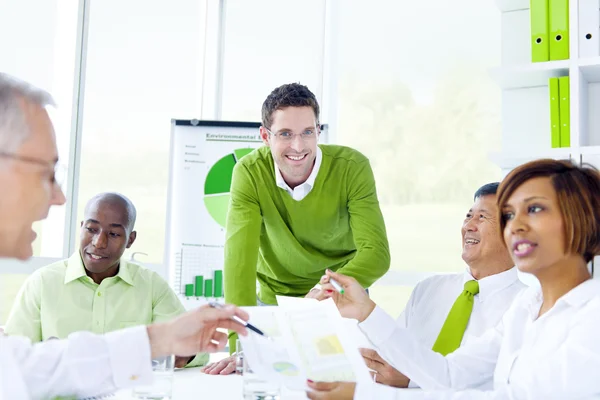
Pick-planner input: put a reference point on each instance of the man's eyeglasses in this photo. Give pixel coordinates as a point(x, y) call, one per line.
point(287, 136)
point(59, 171)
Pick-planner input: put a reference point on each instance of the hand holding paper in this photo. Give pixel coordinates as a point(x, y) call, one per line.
point(310, 340)
point(383, 372)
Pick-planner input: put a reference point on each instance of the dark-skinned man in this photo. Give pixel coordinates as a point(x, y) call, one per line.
point(96, 289)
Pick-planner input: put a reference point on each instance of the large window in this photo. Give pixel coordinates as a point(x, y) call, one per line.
point(414, 95)
point(269, 43)
point(40, 47)
point(409, 86)
point(144, 67)
point(41, 50)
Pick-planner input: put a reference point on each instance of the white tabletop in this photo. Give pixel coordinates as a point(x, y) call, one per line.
point(192, 384)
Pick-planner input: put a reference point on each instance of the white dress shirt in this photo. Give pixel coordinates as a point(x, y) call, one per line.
point(83, 365)
point(302, 190)
point(555, 356)
point(432, 299)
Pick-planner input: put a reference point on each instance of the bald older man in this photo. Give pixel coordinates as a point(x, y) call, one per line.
point(96, 289)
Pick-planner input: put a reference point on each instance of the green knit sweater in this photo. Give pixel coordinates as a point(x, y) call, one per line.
point(288, 244)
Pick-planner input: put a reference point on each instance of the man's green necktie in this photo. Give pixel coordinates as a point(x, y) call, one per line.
point(456, 322)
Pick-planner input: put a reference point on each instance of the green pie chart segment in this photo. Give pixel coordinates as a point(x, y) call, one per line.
point(218, 179)
point(239, 153)
point(216, 205)
point(218, 185)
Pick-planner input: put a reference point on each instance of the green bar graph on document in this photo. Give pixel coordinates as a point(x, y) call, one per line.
point(199, 281)
point(218, 283)
point(208, 288)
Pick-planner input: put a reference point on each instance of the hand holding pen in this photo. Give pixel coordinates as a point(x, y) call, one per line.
point(239, 320)
point(350, 297)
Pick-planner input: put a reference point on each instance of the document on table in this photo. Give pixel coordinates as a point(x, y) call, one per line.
point(306, 340)
point(350, 325)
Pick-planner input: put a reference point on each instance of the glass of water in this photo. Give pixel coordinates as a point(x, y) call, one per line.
point(239, 358)
point(162, 386)
point(255, 388)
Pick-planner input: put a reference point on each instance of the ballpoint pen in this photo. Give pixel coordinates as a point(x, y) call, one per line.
point(238, 319)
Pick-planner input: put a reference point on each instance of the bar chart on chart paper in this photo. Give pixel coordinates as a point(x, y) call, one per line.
point(217, 184)
point(202, 158)
point(198, 273)
point(202, 161)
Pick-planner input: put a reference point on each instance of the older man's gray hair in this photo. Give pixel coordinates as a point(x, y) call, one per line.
point(13, 125)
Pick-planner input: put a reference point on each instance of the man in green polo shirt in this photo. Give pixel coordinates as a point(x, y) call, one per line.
point(298, 208)
point(96, 290)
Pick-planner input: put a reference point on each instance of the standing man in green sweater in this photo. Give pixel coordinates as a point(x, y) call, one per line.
point(298, 208)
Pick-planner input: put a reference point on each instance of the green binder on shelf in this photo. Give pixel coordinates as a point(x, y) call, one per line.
point(540, 49)
point(558, 28)
point(565, 111)
point(554, 112)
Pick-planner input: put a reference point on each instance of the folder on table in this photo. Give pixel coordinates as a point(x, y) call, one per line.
point(540, 49)
point(554, 112)
point(589, 28)
point(558, 29)
point(565, 111)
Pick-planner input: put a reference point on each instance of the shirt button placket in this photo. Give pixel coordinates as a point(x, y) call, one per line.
point(98, 311)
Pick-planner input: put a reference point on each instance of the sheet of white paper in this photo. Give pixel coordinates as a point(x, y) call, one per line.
point(270, 357)
point(288, 302)
point(350, 325)
point(265, 319)
point(308, 340)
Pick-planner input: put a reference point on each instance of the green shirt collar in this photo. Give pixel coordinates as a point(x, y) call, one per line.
point(76, 270)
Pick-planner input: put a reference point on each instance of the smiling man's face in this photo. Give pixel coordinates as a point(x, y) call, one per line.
point(27, 180)
point(105, 234)
point(295, 158)
point(481, 240)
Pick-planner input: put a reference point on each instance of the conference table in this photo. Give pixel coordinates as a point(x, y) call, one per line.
point(191, 384)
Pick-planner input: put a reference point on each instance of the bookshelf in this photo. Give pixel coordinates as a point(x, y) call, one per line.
point(525, 96)
point(529, 75)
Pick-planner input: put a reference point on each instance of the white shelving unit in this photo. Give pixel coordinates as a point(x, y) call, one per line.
point(529, 75)
point(525, 96)
point(512, 5)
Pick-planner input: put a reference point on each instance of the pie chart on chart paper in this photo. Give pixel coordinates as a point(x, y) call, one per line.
point(218, 184)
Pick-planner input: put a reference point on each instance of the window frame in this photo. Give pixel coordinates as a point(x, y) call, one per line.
point(212, 104)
